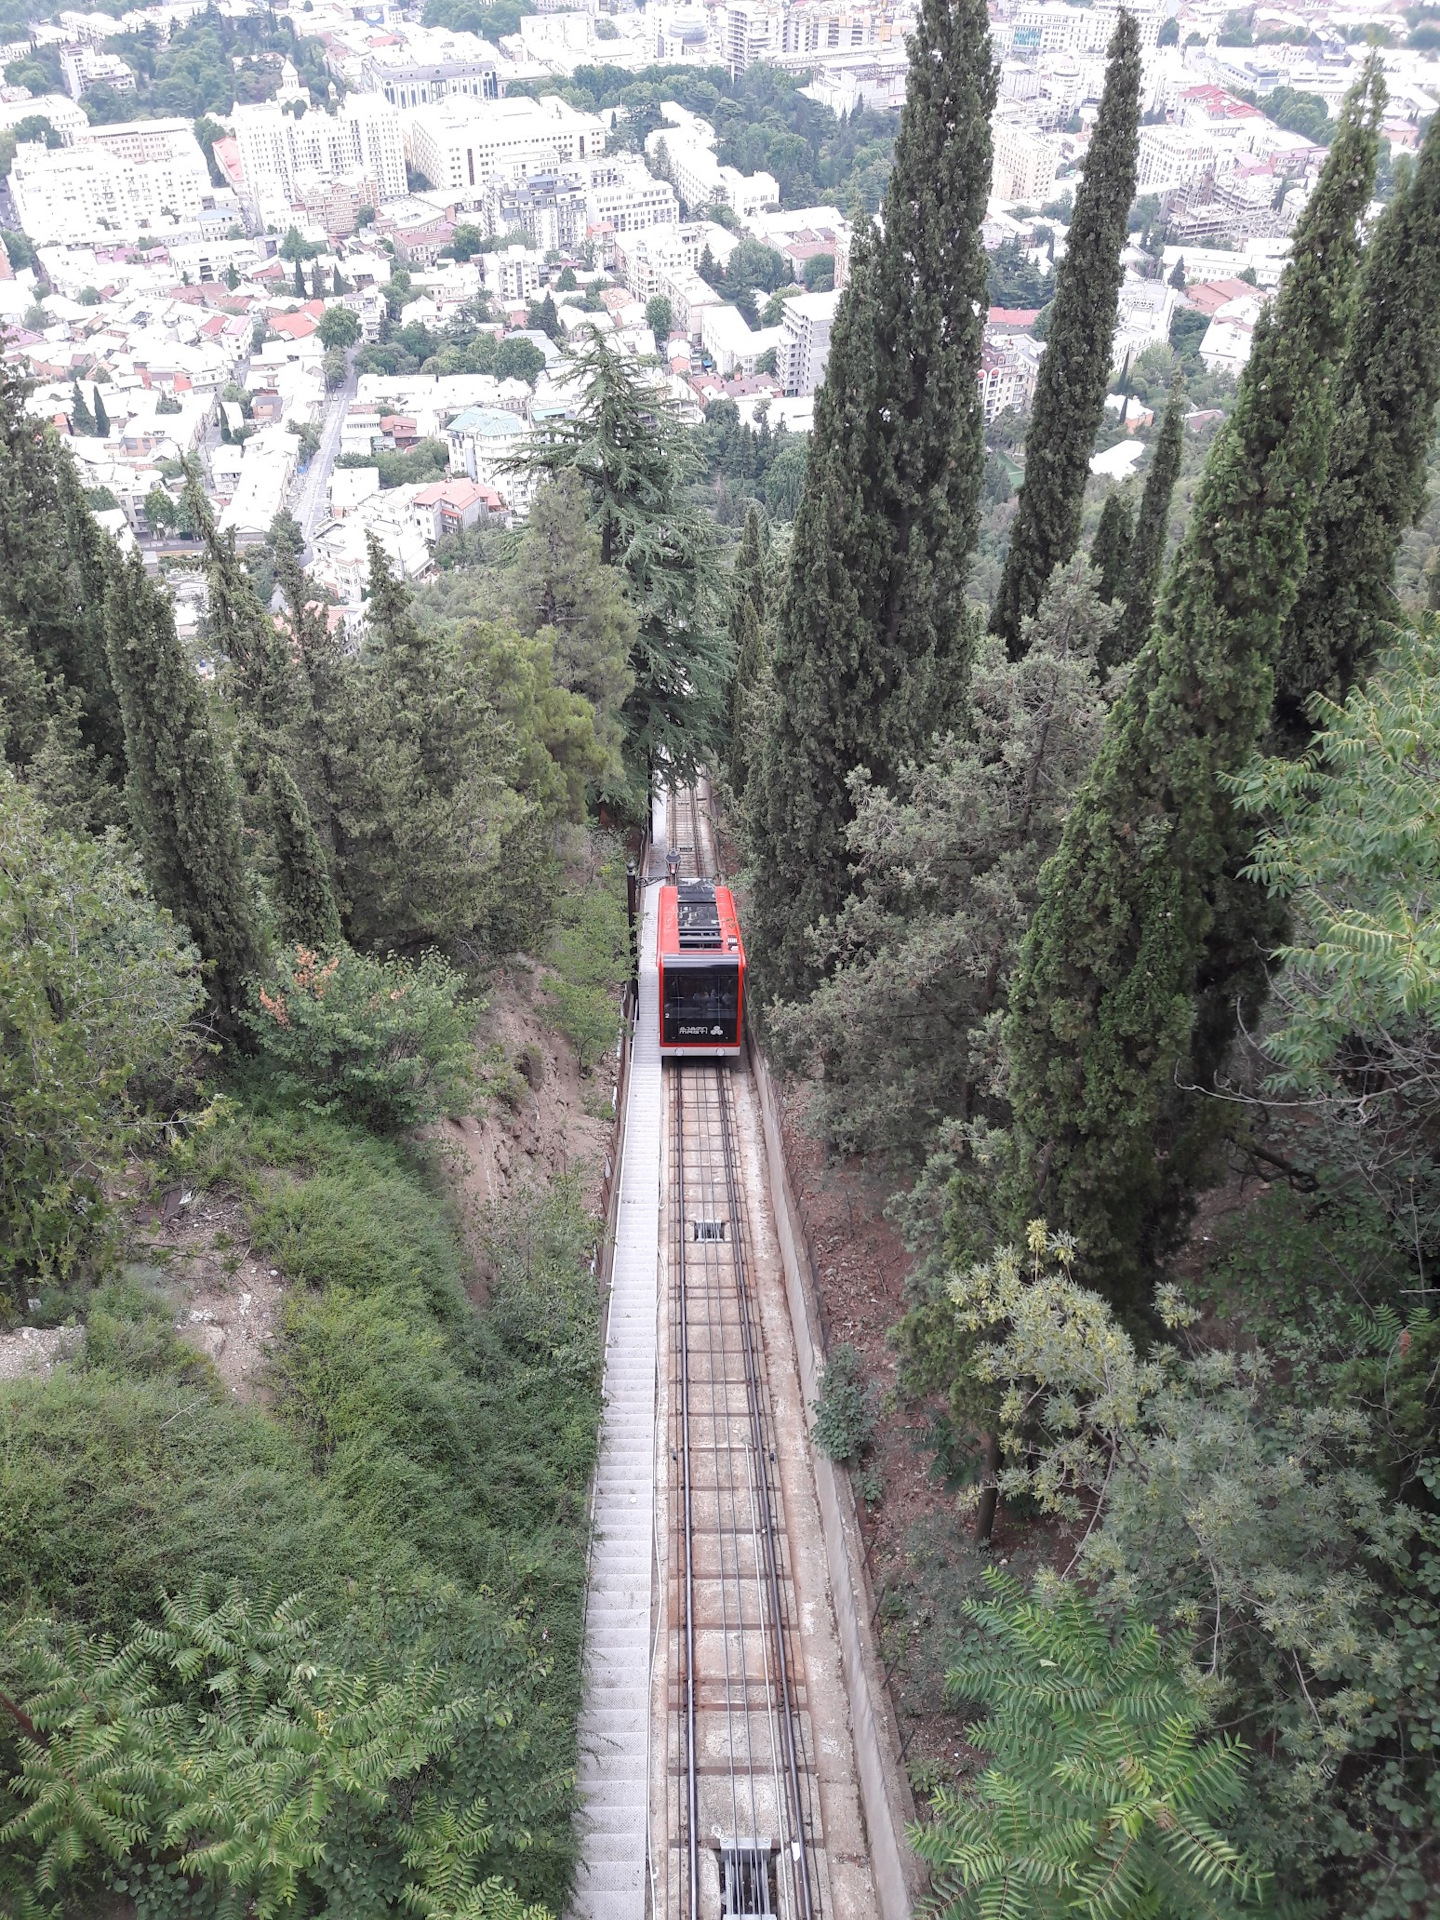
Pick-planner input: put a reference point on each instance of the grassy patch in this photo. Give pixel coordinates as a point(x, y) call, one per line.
point(421, 1475)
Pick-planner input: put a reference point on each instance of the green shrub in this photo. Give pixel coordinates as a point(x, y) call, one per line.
point(421, 1474)
point(385, 1042)
point(848, 1409)
point(129, 1330)
point(590, 953)
point(98, 990)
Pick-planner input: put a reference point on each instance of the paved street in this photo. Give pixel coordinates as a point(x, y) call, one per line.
point(314, 488)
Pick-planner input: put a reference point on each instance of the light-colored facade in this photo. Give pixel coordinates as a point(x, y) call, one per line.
point(804, 348)
point(462, 145)
point(686, 154)
point(89, 193)
point(278, 151)
point(1024, 167)
point(431, 64)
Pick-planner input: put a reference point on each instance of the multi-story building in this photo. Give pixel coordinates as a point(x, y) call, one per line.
point(431, 64)
point(1050, 26)
point(627, 197)
point(550, 208)
point(1169, 156)
point(462, 145)
point(686, 153)
point(1008, 370)
point(514, 275)
point(86, 67)
point(277, 151)
point(1025, 165)
point(62, 112)
point(106, 187)
point(804, 348)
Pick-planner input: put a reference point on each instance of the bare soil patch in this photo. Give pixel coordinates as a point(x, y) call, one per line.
point(226, 1297)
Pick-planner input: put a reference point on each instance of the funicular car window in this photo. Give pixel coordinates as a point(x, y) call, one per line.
point(702, 1004)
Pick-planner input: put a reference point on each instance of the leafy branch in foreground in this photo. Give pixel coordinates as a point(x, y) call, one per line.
point(1099, 1800)
point(223, 1741)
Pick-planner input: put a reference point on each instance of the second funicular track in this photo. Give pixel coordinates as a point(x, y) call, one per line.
point(744, 1813)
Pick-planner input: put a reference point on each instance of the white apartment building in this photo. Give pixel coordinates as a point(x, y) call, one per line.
point(1024, 166)
point(62, 112)
point(1145, 310)
point(462, 145)
point(432, 64)
point(90, 193)
point(687, 154)
point(513, 276)
point(627, 196)
point(86, 67)
point(1172, 156)
point(277, 151)
point(1008, 371)
point(1050, 26)
point(804, 347)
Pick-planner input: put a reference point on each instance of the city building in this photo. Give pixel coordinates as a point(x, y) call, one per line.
point(86, 67)
point(1024, 166)
point(804, 346)
point(483, 441)
point(685, 152)
point(1009, 368)
point(429, 64)
point(360, 142)
point(115, 183)
point(462, 145)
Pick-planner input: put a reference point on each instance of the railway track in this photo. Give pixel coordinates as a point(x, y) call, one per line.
point(744, 1812)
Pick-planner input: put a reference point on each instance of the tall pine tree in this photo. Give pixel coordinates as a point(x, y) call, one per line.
point(1152, 528)
point(305, 909)
point(261, 663)
point(1074, 374)
point(633, 456)
point(747, 615)
point(1140, 894)
point(872, 638)
point(54, 565)
point(183, 804)
point(1375, 488)
point(82, 420)
point(1110, 549)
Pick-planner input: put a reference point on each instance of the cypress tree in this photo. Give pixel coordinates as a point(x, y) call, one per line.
point(1152, 527)
point(305, 910)
point(1137, 899)
point(747, 612)
point(1075, 371)
point(322, 723)
point(183, 804)
point(102, 419)
point(299, 281)
point(1110, 549)
point(81, 418)
point(633, 456)
point(872, 638)
point(262, 669)
point(54, 565)
point(1375, 488)
point(317, 282)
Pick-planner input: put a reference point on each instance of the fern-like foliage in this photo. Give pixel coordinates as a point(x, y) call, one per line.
point(223, 1743)
point(1101, 1800)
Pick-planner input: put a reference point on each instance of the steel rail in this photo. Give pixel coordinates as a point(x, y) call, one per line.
point(692, 1780)
point(769, 1511)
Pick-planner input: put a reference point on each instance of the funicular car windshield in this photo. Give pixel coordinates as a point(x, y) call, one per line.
point(702, 1002)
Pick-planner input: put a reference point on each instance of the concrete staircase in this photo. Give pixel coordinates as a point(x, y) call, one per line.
point(615, 1715)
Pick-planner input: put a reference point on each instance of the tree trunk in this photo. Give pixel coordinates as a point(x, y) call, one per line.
point(989, 1493)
